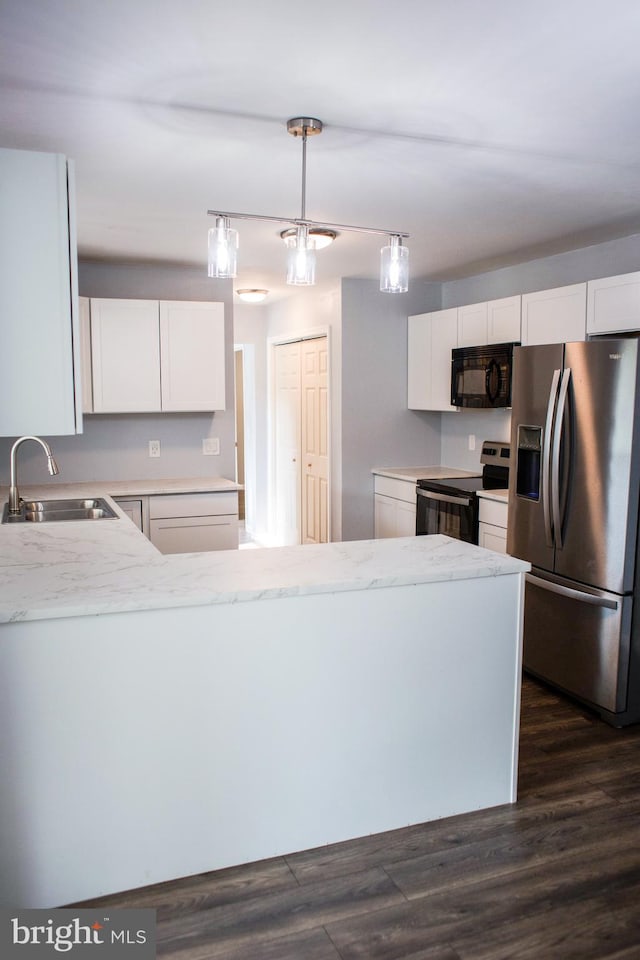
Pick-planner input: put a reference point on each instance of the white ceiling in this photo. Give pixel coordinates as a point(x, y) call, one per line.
point(490, 131)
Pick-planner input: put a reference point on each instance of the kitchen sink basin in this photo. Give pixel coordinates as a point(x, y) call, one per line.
point(46, 511)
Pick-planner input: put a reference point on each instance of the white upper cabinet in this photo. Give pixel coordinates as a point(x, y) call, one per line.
point(613, 304)
point(497, 321)
point(503, 320)
point(472, 325)
point(555, 316)
point(192, 355)
point(40, 353)
point(125, 349)
point(431, 338)
point(157, 356)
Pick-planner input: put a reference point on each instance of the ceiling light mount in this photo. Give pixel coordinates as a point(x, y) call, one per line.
point(303, 236)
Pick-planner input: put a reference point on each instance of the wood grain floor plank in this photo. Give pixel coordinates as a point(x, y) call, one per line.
point(283, 912)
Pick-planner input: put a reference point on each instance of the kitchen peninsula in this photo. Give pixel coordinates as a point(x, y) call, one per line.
point(167, 715)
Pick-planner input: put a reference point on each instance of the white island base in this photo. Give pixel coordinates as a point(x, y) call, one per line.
point(141, 746)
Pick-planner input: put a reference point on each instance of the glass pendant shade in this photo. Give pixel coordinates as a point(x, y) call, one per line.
point(301, 259)
point(223, 250)
point(394, 267)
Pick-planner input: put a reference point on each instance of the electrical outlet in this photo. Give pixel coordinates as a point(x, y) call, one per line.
point(154, 448)
point(211, 446)
point(472, 441)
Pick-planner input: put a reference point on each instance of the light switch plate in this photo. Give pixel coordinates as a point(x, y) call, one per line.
point(211, 446)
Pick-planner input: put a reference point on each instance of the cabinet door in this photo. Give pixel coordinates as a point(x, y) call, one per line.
point(503, 320)
point(132, 508)
point(125, 352)
point(192, 356)
point(613, 304)
point(405, 519)
point(472, 325)
point(555, 316)
point(430, 340)
point(85, 354)
point(384, 517)
point(38, 296)
point(418, 362)
point(492, 538)
point(444, 338)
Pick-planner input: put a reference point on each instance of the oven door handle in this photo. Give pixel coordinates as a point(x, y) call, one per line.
point(445, 498)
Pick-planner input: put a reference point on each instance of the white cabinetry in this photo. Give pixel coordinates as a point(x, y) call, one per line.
point(191, 523)
point(496, 321)
point(431, 338)
point(39, 393)
point(394, 508)
point(133, 507)
point(504, 319)
point(554, 316)
point(492, 525)
point(613, 304)
point(152, 356)
point(125, 351)
point(472, 325)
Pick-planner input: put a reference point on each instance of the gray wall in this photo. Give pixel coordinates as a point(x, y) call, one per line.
point(116, 447)
point(601, 260)
point(377, 428)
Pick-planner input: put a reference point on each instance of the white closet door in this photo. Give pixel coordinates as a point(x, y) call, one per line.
point(286, 443)
point(314, 437)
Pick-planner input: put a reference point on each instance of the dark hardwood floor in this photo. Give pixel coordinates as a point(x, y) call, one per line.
point(556, 875)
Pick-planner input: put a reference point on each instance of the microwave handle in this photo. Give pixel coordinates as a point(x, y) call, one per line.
point(491, 366)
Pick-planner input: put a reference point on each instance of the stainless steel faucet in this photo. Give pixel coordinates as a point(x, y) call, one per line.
point(14, 495)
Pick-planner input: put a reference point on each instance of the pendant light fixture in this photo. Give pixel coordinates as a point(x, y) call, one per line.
point(303, 237)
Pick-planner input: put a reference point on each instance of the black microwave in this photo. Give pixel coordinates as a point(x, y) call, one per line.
point(481, 376)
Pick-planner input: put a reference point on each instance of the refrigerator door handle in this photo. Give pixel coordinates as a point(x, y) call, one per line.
point(546, 458)
point(555, 457)
point(589, 598)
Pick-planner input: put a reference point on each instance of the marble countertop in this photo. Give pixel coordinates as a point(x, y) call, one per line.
point(57, 487)
point(84, 568)
point(414, 474)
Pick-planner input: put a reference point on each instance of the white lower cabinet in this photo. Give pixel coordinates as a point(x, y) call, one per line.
point(492, 525)
point(394, 508)
point(194, 523)
point(186, 522)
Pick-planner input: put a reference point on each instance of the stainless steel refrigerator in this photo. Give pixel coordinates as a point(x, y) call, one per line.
point(573, 514)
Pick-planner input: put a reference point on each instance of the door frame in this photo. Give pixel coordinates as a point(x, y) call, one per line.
point(312, 333)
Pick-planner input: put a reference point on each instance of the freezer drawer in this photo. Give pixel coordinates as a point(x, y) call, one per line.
point(578, 639)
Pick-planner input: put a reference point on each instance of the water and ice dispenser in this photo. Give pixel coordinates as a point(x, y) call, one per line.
point(528, 462)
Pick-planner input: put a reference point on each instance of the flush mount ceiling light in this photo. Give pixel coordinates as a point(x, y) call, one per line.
point(303, 237)
point(252, 294)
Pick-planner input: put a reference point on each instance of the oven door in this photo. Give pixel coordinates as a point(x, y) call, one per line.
point(453, 515)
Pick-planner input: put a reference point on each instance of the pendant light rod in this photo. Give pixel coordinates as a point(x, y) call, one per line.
point(309, 223)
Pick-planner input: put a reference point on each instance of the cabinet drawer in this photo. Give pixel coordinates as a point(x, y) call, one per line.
point(398, 489)
point(193, 505)
point(194, 534)
point(493, 512)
